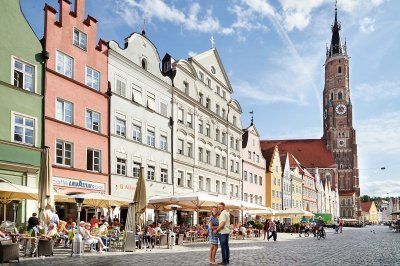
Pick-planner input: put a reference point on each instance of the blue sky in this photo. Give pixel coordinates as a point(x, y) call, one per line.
point(273, 52)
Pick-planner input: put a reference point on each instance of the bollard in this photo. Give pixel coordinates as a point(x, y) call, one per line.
point(77, 244)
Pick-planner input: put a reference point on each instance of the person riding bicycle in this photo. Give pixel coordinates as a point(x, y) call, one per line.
point(320, 225)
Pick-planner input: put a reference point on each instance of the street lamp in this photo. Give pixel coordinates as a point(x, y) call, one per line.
point(79, 202)
point(77, 245)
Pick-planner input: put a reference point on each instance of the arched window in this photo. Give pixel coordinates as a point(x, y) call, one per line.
point(332, 96)
point(144, 64)
point(340, 95)
point(340, 70)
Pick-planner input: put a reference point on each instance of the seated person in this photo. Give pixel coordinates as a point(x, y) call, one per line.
point(159, 231)
point(103, 229)
point(52, 233)
point(89, 239)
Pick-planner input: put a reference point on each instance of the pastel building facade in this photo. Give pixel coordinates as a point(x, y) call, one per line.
point(207, 130)
point(253, 167)
point(273, 178)
point(140, 111)
point(21, 112)
point(76, 101)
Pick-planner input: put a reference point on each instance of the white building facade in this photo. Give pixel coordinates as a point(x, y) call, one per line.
point(207, 130)
point(139, 119)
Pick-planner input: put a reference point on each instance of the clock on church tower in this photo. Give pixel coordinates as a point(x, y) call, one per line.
point(339, 133)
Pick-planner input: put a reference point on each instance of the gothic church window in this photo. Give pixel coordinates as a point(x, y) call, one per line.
point(340, 70)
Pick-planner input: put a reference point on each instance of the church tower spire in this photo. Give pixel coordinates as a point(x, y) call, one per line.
point(336, 47)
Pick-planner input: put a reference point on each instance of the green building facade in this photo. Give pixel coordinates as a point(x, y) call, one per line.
point(21, 101)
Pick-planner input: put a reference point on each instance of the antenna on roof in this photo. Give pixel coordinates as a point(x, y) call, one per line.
point(252, 117)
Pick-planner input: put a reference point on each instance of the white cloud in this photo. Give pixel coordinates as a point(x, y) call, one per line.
point(379, 187)
point(384, 90)
point(367, 25)
point(191, 53)
point(359, 5)
point(134, 11)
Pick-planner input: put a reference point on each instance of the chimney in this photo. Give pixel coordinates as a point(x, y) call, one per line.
point(80, 8)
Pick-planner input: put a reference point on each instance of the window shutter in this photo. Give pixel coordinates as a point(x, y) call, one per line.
point(137, 96)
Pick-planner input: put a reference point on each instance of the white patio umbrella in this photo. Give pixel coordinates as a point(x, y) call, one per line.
point(263, 212)
point(98, 200)
point(294, 213)
point(46, 193)
point(10, 192)
point(247, 206)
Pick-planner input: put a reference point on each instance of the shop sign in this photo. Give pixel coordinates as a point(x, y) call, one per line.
point(66, 182)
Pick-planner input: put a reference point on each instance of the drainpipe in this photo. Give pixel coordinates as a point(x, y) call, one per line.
point(109, 94)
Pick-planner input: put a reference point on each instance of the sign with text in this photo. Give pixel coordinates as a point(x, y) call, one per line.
point(83, 184)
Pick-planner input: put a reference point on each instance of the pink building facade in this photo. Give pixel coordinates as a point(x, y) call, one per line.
point(253, 167)
point(76, 100)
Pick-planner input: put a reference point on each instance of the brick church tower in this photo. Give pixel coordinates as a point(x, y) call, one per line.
point(339, 133)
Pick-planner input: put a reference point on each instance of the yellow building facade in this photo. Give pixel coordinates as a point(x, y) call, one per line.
point(273, 178)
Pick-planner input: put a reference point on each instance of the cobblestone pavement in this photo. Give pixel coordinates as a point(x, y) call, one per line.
point(356, 246)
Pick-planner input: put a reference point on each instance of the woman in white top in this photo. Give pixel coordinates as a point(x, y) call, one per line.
point(89, 239)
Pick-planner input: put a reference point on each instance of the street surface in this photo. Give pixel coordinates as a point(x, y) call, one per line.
point(356, 246)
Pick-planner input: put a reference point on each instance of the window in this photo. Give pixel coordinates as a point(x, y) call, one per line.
point(249, 155)
point(234, 120)
point(223, 138)
point(232, 166)
point(64, 153)
point(200, 154)
point(223, 164)
point(150, 137)
point(200, 128)
point(231, 142)
point(260, 180)
point(120, 87)
point(237, 191)
point(201, 183)
point(254, 156)
point(255, 179)
point(163, 109)
point(92, 78)
point(151, 101)
point(218, 90)
point(24, 129)
point(237, 167)
point(189, 119)
point(189, 180)
point(180, 115)
point(164, 175)
point(180, 146)
point(223, 113)
point(24, 75)
point(258, 158)
point(217, 161)
point(144, 64)
point(80, 39)
point(201, 76)
point(255, 199)
point(92, 120)
point(208, 130)
point(120, 127)
point(245, 197)
point(208, 184)
point(237, 144)
point(209, 82)
point(186, 87)
point(121, 166)
point(163, 143)
point(151, 172)
point(201, 96)
point(251, 198)
point(64, 111)
point(208, 103)
point(208, 157)
point(340, 70)
point(251, 177)
point(137, 95)
point(217, 109)
point(224, 94)
point(93, 159)
point(217, 134)
point(224, 188)
point(190, 149)
point(217, 187)
point(213, 70)
point(245, 175)
point(136, 169)
point(180, 179)
point(65, 64)
point(136, 132)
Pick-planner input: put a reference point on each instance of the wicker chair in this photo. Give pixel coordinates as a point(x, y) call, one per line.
point(45, 247)
point(9, 251)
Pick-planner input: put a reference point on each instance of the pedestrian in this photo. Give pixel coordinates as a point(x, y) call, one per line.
point(33, 223)
point(272, 229)
point(212, 225)
point(266, 228)
point(224, 230)
point(54, 218)
point(341, 223)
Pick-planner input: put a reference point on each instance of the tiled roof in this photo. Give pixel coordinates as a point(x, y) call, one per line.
point(268, 154)
point(310, 153)
point(245, 138)
point(366, 206)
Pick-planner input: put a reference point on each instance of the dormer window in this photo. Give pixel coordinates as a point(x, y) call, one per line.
point(144, 64)
point(80, 39)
